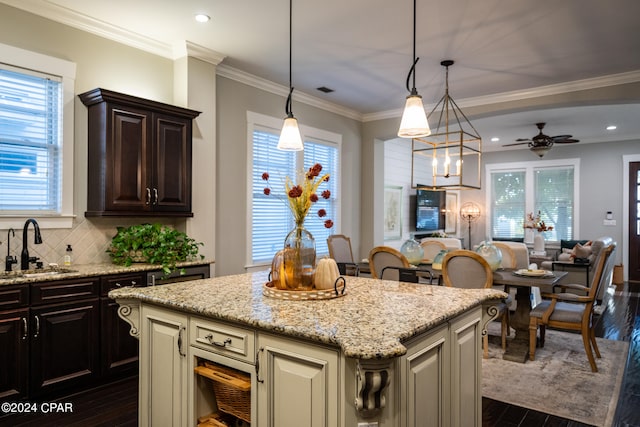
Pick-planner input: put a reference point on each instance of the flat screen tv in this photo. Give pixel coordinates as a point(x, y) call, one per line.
point(429, 210)
point(427, 218)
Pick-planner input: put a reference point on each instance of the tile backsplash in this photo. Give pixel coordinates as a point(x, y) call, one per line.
point(89, 239)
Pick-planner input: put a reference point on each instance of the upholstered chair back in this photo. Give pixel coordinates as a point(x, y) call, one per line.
point(466, 269)
point(381, 257)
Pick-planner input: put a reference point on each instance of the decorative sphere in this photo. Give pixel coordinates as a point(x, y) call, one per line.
point(412, 251)
point(491, 254)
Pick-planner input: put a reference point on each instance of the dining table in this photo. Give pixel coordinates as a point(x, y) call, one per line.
point(523, 280)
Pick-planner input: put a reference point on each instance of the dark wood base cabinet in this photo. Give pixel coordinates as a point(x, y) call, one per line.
point(64, 346)
point(62, 336)
point(14, 353)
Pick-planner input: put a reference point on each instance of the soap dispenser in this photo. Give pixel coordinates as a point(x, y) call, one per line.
point(67, 257)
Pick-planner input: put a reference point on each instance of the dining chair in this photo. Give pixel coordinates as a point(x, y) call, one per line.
point(431, 248)
point(569, 311)
point(467, 269)
point(340, 250)
point(390, 264)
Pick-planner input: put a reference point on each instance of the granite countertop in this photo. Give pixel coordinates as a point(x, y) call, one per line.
point(371, 321)
point(86, 270)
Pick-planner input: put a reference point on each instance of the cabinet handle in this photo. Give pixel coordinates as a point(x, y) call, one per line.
point(209, 338)
point(37, 327)
point(155, 196)
point(118, 285)
point(148, 196)
point(260, 350)
point(182, 328)
point(26, 328)
point(133, 283)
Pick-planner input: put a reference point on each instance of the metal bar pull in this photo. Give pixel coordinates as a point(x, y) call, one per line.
point(182, 328)
point(148, 196)
point(260, 350)
point(37, 327)
point(155, 196)
point(25, 325)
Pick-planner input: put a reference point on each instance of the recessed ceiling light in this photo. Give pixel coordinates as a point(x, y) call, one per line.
point(495, 139)
point(612, 127)
point(201, 17)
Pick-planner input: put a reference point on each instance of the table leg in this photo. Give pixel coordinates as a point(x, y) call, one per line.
point(518, 347)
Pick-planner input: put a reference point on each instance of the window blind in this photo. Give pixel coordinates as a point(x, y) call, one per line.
point(551, 192)
point(271, 217)
point(30, 142)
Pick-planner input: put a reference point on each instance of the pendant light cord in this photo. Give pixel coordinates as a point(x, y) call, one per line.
point(287, 108)
point(412, 71)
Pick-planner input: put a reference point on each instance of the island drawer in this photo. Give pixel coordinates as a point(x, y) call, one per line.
point(222, 338)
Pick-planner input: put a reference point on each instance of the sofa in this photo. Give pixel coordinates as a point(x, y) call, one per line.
point(577, 271)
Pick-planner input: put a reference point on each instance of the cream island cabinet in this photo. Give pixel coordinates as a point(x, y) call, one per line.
point(384, 354)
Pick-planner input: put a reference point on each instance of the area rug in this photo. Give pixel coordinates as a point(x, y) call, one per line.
point(559, 382)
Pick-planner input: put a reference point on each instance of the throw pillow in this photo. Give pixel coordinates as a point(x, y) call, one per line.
point(582, 251)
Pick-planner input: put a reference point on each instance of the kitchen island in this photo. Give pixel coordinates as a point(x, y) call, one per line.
point(385, 353)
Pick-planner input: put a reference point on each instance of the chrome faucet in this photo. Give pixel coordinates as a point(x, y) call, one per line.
point(10, 260)
point(24, 257)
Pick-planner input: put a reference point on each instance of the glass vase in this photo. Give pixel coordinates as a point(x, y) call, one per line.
point(491, 254)
point(299, 259)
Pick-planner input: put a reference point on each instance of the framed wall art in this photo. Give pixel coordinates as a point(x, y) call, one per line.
point(392, 212)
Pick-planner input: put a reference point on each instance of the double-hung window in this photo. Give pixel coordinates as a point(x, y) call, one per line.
point(30, 142)
point(36, 137)
point(271, 218)
point(547, 187)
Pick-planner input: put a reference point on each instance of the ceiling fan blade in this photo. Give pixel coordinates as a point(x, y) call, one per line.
point(523, 139)
point(566, 141)
point(561, 137)
point(516, 143)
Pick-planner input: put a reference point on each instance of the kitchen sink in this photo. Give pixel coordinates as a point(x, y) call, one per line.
point(38, 272)
point(49, 271)
point(5, 275)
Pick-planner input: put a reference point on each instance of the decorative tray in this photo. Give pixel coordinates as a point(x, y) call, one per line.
point(340, 288)
point(532, 273)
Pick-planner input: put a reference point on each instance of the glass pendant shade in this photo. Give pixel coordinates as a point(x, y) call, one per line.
point(290, 138)
point(414, 122)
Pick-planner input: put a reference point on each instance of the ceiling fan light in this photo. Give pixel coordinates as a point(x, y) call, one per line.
point(290, 139)
point(541, 150)
point(414, 122)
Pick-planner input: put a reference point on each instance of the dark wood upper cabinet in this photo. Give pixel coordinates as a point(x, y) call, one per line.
point(139, 156)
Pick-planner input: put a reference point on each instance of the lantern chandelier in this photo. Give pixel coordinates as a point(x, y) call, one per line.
point(449, 158)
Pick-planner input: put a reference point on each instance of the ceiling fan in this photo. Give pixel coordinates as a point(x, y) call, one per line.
point(542, 143)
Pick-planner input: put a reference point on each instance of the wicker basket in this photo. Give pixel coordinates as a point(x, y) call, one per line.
point(232, 389)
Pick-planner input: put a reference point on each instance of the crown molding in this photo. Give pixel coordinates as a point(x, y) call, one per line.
point(200, 52)
point(240, 76)
point(518, 95)
point(85, 23)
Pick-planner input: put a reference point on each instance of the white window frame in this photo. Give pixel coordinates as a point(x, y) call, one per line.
point(529, 168)
point(66, 70)
point(309, 134)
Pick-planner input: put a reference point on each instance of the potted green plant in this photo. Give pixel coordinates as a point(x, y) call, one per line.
point(152, 244)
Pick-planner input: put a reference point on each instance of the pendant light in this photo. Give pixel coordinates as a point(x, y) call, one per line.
point(414, 122)
point(290, 139)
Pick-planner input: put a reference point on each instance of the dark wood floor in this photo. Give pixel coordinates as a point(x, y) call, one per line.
point(117, 403)
point(620, 321)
